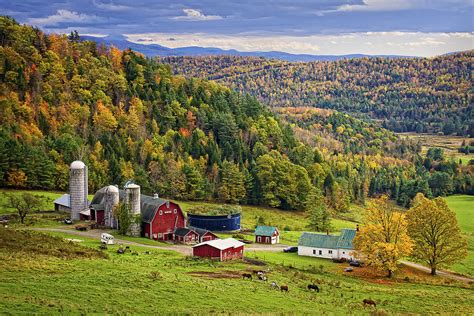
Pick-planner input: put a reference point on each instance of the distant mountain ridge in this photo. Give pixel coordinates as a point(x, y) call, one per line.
point(152, 50)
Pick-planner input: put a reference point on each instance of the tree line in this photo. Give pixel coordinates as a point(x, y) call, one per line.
point(423, 95)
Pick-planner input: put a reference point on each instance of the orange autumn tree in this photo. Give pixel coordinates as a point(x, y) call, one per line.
point(383, 239)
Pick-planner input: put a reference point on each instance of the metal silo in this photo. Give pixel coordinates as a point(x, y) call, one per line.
point(111, 200)
point(132, 198)
point(77, 188)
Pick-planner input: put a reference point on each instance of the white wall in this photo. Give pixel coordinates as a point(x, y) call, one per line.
point(345, 253)
point(314, 252)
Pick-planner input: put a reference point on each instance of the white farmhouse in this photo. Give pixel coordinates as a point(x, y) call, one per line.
point(327, 246)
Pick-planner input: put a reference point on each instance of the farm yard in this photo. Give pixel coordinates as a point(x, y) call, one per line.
point(167, 282)
point(164, 278)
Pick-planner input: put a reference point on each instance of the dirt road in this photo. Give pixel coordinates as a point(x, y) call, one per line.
point(439, 272)
point(184, 249)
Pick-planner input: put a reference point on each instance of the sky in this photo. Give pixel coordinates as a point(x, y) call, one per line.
point(318, 27)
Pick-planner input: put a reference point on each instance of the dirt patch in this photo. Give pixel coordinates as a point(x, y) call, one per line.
point(255, 262)
point(217, 275)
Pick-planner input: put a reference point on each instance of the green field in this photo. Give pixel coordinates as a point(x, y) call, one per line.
point(463, 205)
point(166, 282)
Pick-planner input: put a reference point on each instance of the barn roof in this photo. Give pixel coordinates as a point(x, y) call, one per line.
point(222, 244)
point(265, 230)
point(201, 231)
point(148, 207)
point(343, 241)
point(63, 200)
point(182, 231)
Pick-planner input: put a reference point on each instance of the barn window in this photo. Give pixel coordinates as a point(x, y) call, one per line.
point(167, 204)
point(320, 252)
point(175, 211)
point(343, 252)
point(161, 212)
point(314, 252)
point(330, 252)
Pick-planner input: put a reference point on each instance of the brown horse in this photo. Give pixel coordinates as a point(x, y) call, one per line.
point(284, 288)
point(368, 302)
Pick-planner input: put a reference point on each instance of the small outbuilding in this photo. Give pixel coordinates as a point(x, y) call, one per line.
point(186, 235)
point(204, 234)
point(220, 249)
point(63, 203)
point(267, 235)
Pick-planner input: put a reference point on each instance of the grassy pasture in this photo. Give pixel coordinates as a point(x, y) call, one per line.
point(450, 144)
point(166, 282)
point(463, 205)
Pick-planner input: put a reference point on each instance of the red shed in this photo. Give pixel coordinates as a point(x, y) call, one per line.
point(221, 249)
point(160, 218)
point(267, 235)
point(186, 235)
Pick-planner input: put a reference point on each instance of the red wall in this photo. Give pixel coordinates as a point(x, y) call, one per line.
point(165, 223)
point(233, 253)
point(206, 251)
point(211, 252)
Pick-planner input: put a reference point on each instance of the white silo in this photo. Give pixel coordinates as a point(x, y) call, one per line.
point(111, 200)
point(78, 188)
point(132, 198)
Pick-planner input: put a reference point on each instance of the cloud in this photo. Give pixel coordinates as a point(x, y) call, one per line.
point(63, 16)
point(371, 43)
point(196, 15)
point(110, 6)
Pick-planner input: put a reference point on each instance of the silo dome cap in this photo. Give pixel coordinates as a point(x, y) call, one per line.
point(112, 189)
point(77, 165)
point(132, 186)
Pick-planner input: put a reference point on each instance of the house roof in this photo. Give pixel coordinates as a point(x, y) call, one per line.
point(182, 231)
point(318, 240)
point(222, 244)
point(343, 241)
point(265, 230)
point(63, 200)
point(346, 238)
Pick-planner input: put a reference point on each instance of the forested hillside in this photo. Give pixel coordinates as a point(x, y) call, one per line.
point(404, 94)
point(128, 117)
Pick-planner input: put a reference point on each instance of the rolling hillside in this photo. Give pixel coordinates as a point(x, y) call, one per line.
point(406, 94)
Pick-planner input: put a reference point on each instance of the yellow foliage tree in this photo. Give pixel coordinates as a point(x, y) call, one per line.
point(383, 239)
point(435, 232)
point(104, 118)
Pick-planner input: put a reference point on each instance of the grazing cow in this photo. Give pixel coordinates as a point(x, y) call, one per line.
point(246, 276)
point(103, 247)
point(148, 252)
point(258, 272)
point(284, 288)
point(368, 302)
point(274, 285)
point(262, 278)
point(134, 253)
point(313, 287)
point(120, 251)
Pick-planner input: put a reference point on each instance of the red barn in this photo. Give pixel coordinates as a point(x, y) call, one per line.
point(220, 249)
point(186, 235)
point(160, 218)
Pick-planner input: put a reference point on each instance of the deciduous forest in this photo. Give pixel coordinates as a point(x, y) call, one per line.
point(128, 117)
point(424, 95)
